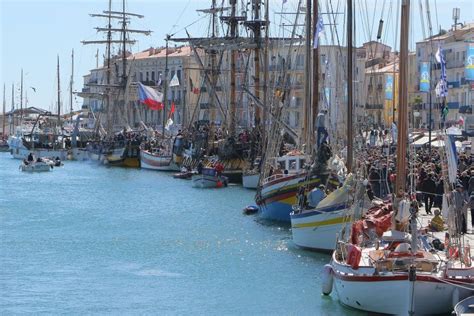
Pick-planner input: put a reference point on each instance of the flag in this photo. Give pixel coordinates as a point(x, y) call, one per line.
point(149, 96)
point(175, 81)
point(168, 124)
point(160, 82)
point(469, 70)
point(424, 77)
point(442, 86)
point(318, 30)
point(388, 87)
point(172, 109)
point(196, 90)
point(452, 158)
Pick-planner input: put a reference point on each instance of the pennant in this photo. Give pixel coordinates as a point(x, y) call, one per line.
point(149, 96)
point(175, 81)
point(171, 110)
point(442, 86)
point(168, 124)
point(160, 81)
point(318, 30)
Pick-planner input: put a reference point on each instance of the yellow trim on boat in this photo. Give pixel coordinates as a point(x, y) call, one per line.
point(333, 221)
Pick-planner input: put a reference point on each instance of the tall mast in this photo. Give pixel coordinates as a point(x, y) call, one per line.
point(12, 130)
point(213, 56)
point(265, 72)
point(21, 98)
point(315, 100)
point(124, 18)
point(403, 100)
point(349, 87)
point(107, 89)
point(308, 81)
point(256, 57)
point(4, 108)
point(59, 94)
point(233, 34)
point(71, 82)
point(165, 90)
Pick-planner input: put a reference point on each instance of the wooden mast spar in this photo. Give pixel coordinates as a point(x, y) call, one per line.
point(403, 100)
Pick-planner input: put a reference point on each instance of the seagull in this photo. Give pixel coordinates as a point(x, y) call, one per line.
point(34, 89)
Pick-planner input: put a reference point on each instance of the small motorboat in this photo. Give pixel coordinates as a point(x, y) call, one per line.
point(209, 178)
point(465, 307)
point(36, 166)
point(250, 210)
point(187, 175)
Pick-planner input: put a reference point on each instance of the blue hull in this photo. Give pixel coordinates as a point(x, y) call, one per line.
point(275, 211)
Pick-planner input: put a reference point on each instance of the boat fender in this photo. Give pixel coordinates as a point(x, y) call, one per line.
point(51, 166)
point(250, 209)
point(219, 184)
point(327, 279)
point(455, 297)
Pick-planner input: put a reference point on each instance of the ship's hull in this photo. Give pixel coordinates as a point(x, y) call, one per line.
point(318, 229)
point(157, 162)
point(279, 195)
point(250, 181)
point(393, 292)
point(207, 181)
point(19, 151)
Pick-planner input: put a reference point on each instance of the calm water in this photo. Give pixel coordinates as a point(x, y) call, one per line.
point(90, 239)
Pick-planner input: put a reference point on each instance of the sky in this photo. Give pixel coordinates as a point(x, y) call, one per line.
point(33, 33)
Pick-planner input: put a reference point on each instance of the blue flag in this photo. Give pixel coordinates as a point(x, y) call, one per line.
point(469, 70)
point(442, 86)
point(318, 29)
point(388, 87)
point(424, 77)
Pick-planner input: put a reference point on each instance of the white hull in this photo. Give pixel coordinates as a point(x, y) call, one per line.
point(250, 181)
point(36, 167)
point(79, 154)
point(318, 229)
point(206, 181)
point(19, 151)
point(392, 292)
point(156, 162)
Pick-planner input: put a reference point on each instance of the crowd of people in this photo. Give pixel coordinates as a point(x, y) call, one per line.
point(426, 177)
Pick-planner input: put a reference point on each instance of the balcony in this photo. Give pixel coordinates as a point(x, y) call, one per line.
point(374, 106)
point(454, 64)
point(453, 105)
point(453, 84)
point(465, 109)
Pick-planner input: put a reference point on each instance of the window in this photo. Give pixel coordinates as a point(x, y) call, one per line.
point(153, 75)
point(147, 78)
point(141, 76)
point(178, 74)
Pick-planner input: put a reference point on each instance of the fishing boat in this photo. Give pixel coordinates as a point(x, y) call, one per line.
point(279, 191)
point(317, 228)
point(384, 264)
point(250, 179)
point(36, 166)
point(126, 155)
point(155, 160)
point(465, 307)
point(209, 178)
